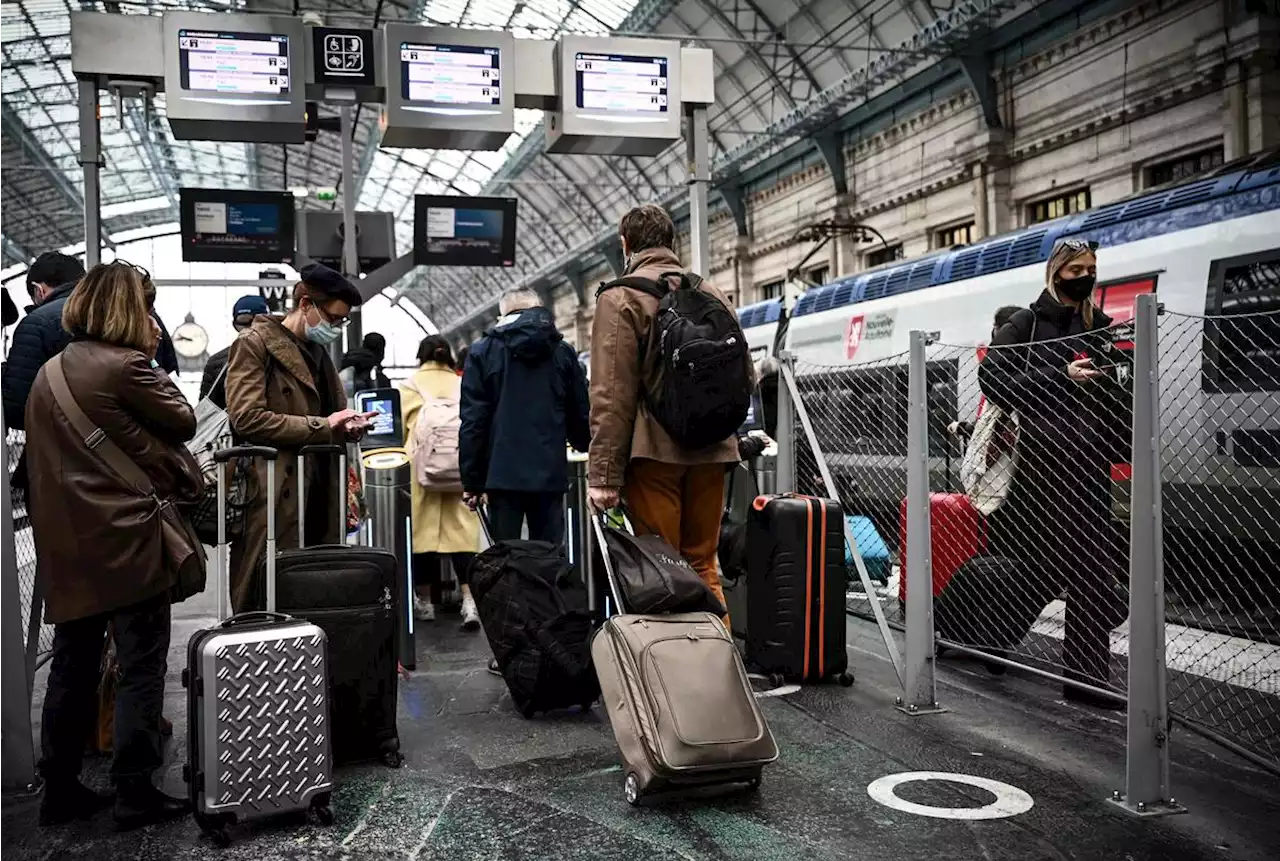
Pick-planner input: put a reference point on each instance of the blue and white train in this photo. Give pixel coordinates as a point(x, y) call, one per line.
point(1207, 247)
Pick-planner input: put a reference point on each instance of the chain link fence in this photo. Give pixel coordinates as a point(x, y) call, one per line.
point(25, 552)
point(1033, 566)
point(859, 418)
point(1220, 486)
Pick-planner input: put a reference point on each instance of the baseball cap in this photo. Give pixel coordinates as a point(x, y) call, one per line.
point(250, 305)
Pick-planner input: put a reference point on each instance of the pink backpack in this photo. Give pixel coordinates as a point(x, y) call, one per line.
point(434, 443)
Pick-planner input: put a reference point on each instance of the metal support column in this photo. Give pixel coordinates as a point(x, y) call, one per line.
point(350, 257)
point(91, 163)
point(18, 752)
point(1147, 790)
point(698, 149)
point(921, 692)
point(891, 647)
point(785, 471)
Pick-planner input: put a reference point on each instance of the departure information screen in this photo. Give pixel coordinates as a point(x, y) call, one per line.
point(621, 84)
point(234, 63)
point(236, 224)
point(450, 74)
point(464, 231)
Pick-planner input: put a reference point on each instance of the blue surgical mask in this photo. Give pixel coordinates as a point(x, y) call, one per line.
point(323, 333)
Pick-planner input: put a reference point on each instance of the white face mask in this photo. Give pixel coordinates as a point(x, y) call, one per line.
point(323, 333)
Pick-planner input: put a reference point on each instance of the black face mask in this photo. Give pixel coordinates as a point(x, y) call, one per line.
point(1077, 289)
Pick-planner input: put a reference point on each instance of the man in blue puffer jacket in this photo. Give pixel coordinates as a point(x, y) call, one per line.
point(524, 396)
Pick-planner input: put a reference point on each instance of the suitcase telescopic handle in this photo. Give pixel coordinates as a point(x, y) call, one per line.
point(265, 452)
point(598, 523)
point(321, 448)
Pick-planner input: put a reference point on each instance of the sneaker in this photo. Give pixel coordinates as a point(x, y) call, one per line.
point(423, 611)
point(140, 804)
point(470, 618)
point(63, 802)
point(493, 667)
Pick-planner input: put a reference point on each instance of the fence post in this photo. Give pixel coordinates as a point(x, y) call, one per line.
point(921, 694)
point(1147, 755)
point(17, 750)
point(785, 471)
point(788, 382)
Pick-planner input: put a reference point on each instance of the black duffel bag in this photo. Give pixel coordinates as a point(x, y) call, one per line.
point(652, 576)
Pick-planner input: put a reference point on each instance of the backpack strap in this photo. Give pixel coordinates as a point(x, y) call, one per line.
point(635, 282)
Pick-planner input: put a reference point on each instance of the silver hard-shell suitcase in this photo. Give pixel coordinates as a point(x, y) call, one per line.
point(257, 701)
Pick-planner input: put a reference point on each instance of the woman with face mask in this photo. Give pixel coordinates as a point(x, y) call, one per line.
point(1053, 365)
point(284, 391)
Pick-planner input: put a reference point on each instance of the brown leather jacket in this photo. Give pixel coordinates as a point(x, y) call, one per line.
point(98, 541)
point(621, 427)
point(272, 400)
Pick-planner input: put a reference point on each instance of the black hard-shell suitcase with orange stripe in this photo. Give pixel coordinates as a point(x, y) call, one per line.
point(795, 589)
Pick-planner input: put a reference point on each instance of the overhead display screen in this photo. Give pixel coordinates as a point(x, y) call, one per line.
point(464, 231)
point(234, 63)
point(224, 226)
point(618, 83)
point(464, 75)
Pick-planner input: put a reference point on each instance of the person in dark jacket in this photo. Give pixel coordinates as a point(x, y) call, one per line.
point(524, 396)
point(39, 336)
point(212, 385)
point(1057, 372)
point(362, 367)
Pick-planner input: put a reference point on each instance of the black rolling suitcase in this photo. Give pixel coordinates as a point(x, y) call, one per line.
point(351, 593)
point(535, 614)
point(795, 589)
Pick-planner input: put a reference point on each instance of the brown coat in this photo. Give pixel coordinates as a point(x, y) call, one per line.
point(98, 541)
point(621, 427)
point(272, 400)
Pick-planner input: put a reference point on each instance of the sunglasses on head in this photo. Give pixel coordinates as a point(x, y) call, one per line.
point(1080, 244)
point(146, 276)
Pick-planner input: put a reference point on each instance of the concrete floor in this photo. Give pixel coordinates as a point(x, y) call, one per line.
point(482, 783)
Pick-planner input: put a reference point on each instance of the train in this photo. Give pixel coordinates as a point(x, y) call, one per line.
point(1209, 248)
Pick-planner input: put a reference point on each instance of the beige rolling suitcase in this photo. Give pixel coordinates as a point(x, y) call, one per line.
point(679, 700)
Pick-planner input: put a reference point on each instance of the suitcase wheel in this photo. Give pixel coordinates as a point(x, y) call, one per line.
point(846, 678)
point(392, 759)
point(753, 785)
point(324, 814)
point(217, 827)
point(777, 680)
point(631, 789)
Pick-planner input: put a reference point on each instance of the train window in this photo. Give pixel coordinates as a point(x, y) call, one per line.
point(1183, 167)
point(1056, 207)
point(884, 255)
point(949, 237)
point(1242, 334)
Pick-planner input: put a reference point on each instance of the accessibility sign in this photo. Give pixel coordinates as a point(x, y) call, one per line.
point(343, 56)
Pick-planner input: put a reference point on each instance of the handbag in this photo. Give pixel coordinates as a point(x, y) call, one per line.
point(103, 729)
point(213, 432)
point(990, 462)
point(652, 576)
point(181, 546)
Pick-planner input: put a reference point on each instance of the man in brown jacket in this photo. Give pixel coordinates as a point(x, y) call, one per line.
point(283, 391)
point(671, 491)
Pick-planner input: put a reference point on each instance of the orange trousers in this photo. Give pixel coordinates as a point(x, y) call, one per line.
point(682, 504)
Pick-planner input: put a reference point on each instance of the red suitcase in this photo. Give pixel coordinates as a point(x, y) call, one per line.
point(956, 536)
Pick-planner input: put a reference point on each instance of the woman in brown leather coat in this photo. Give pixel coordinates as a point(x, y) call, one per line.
point(98, 540)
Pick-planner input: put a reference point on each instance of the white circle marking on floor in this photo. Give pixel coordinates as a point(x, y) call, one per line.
point(1010, 801)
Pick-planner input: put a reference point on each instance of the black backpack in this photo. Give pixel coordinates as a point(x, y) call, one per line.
point(703, 393)
point(534, 612)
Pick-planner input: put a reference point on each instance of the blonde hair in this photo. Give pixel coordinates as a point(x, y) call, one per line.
point(1063, 253)
point(110, 304)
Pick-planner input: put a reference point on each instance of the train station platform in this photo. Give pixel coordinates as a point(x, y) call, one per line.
point(480, 782)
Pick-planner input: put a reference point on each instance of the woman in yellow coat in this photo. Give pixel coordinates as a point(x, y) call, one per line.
point(443, 528)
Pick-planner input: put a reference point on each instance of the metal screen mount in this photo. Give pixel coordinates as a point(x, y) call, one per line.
point(788, 375)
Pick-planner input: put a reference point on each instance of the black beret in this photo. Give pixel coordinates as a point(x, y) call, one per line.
point(325, 281)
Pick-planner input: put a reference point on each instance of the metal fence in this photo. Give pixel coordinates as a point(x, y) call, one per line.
point(37, 636)
point(1034, 540)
